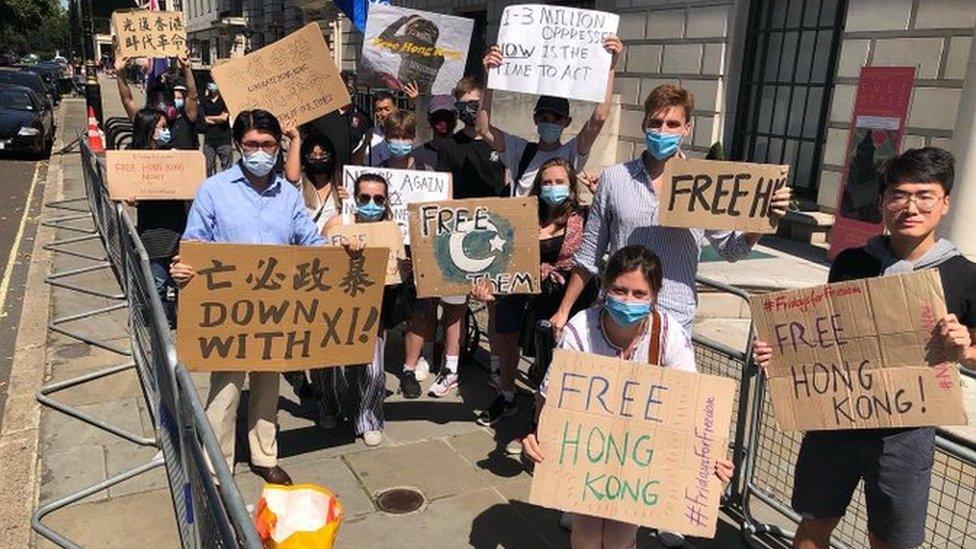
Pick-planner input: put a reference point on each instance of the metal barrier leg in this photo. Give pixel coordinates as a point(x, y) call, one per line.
point(58, 246)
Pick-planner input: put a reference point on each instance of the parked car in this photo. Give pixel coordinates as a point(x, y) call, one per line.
point(26, 125)
point(28, 80)
point(50, 77)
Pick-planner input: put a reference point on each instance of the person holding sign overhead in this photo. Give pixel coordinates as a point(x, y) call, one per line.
point(895, 464)
point(551, 117)
point(250, 203)
point(179, 104)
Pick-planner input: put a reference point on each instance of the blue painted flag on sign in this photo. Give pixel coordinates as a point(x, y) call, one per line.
point(358, 10)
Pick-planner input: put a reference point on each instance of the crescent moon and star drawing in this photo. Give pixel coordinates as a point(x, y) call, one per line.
point(461, 259)
point(475, 247)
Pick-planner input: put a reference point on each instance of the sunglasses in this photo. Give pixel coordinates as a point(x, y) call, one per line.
point(362, 199)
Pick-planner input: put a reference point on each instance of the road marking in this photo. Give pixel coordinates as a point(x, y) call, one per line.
point(15, 247)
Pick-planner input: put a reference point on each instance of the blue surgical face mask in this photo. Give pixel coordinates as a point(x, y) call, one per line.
point(662, 145)
point(163, 136)
point(178, 103)
point(212, 88)
point(399, 149)
point(549, 132)
point(370, 211)
point(554, 195)
point(259, 163)
point(626, 313)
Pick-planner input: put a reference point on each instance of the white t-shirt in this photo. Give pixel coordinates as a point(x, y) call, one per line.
point(515, 146)
point(584, 333)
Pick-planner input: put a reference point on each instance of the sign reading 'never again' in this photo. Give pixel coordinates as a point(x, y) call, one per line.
point(633, 442)
point(256, 307)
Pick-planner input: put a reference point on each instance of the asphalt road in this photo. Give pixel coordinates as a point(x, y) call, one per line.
point(17, 229)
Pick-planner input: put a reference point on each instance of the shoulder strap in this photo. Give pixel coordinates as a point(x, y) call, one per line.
point(654, 345)
point(527, 155)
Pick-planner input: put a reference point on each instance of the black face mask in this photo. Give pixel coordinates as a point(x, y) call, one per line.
point(326, 166)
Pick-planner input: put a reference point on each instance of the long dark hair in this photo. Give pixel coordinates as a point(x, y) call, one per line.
point(144, 128)
point(560, 214)
point(309, 193)
point(375, 178)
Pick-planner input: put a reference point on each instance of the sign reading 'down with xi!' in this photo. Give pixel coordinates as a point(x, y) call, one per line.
point(154, 175)
point(633, 442)
point(144, 33)
point(554, 50)
point(712, 194)
point(293, 78)
point(255, 307)
point(861, 354)
point(458, 242)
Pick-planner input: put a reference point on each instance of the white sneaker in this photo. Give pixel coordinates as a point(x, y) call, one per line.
point(373, 438)
point(514, 447)
point(670, 539)
point(444, 384)
point(566, 521)
point(422, 370)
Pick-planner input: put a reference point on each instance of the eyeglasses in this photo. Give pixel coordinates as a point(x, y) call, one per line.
point(270, 147)
point(925, 202)
point(362, 199)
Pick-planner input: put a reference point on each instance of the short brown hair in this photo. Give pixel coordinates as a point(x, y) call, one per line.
point(670, 95)
point(400, 125)
point(466, 85)
point(633, 258)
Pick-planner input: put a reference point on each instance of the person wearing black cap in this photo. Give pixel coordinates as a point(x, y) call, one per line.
point(523, 158)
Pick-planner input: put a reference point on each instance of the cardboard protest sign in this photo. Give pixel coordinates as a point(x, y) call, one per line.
point(711, 194)
point(382, 234)
point(458, 242)
point(633, 442)
point(293, 78)
point(401, 46)
point(554, 50)
point(154, 175)
point(859, 355)
point(405, 187)
point(144, 33)
point(254, 307)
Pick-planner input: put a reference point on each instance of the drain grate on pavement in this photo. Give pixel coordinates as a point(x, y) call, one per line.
point(400, 501)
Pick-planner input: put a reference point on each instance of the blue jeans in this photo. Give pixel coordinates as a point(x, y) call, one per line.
point(163, 281)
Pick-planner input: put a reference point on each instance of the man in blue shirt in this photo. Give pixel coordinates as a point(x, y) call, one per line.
point(249, 204)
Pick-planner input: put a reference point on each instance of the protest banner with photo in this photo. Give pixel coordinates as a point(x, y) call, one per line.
point(860, 354)
point(293, 78)
point(633, 442)
point(382, 234)
point(154, 175)
point(554, 50)
point(254, 307)
point(144, 33)
point(458, 242)
point(711, 194)
point(401, 46)
point(405, 187)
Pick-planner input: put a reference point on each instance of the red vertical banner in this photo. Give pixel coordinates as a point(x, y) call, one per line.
point(877, 127)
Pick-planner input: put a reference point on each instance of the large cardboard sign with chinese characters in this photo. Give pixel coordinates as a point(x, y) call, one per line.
point(458, 242)
point(144, 33)
point(711, 194)
point(861, 354)
point(633, 442)
point(154, 175)
point(293, 78)
point(382, 234)
point(256, 307)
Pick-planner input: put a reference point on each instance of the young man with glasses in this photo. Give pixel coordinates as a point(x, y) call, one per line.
point(895, 464)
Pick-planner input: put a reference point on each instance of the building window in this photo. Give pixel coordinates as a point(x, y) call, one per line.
point(788, 76)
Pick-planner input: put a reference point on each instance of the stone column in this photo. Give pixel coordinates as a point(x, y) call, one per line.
point(960, 224)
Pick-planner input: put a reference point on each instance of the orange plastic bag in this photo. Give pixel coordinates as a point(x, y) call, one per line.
point(303, 516)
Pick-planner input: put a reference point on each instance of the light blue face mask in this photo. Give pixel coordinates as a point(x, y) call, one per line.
point(259, 163)
point(399, 149)
point(549, 132)
point(163, 136)
point(554, 195)
point(212, 88)
point(370, 211)
point(178, 103)
point(626, 313)
point(662, 145)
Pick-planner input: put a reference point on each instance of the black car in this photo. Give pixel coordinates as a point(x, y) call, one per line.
point(50, 78)
point(28, 80)
point(26, 125)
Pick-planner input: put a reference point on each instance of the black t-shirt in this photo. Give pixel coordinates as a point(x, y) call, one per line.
point(477, 169)
point(183, 134)
point(216, 134)
point(958, 276)
point(345, 131)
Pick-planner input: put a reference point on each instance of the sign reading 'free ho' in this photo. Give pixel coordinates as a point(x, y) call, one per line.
point(154, 175)
point(633, 442)
point(554, 50)
point(254, 307)
point(711, 194)
point(860, 354)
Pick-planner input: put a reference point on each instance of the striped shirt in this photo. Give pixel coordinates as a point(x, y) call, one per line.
point(625, 212)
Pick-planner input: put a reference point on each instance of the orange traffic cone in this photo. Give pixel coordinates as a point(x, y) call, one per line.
point(96, 138)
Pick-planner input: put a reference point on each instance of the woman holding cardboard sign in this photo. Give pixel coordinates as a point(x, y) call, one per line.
point(626, 325)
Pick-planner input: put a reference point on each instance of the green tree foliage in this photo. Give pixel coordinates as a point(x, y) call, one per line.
point(33, 26)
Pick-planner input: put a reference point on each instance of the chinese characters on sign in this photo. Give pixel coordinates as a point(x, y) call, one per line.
point(144, 33)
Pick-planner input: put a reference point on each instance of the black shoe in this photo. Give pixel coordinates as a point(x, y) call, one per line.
point(499, 410)
point(272, 475)
point(409, 387)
